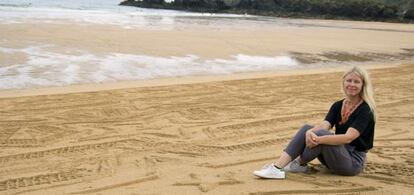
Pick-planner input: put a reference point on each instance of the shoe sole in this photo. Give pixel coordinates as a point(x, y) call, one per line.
point(266, 177)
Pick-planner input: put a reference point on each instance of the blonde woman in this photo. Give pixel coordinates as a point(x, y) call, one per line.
point(342, 152)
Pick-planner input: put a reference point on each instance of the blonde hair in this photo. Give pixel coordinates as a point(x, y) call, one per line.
point(367, 92)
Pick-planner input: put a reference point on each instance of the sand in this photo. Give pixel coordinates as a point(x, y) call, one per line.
point(223, 42)
point(199, 135)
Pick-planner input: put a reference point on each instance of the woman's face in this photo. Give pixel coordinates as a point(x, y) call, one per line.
point(352, 85)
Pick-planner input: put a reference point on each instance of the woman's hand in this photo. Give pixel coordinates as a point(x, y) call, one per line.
point(311, 139)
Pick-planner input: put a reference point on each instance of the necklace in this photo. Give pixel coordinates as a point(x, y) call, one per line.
point(347, 108)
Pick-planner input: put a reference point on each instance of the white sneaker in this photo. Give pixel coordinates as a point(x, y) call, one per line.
point(270, 172)
point(295, 167)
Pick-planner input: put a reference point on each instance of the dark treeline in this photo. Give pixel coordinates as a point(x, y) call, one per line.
point(378, 10)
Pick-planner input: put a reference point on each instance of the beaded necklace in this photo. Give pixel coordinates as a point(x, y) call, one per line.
point(347, 109)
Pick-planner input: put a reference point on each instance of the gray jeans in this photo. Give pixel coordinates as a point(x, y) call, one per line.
point(340, 159)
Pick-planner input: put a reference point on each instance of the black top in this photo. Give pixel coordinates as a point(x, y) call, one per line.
point(362, 119)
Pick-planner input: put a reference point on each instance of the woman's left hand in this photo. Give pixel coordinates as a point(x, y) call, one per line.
point(311, 140)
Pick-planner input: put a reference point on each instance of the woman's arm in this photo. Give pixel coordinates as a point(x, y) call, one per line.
point(323, 125)
point(339, 139)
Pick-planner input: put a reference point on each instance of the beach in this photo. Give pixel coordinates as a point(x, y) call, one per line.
point(196, 107)
point(200, 138)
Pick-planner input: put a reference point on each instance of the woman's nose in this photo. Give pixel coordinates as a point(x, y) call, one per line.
point(352, 83)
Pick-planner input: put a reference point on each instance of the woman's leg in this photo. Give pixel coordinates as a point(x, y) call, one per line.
point(294, 148)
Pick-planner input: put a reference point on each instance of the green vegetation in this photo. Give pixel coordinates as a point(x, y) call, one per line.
point(379, 10)
point(368, 9)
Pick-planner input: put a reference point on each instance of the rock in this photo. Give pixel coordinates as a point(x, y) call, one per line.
point(409, 13)
point(231, 3)
point(350, 9)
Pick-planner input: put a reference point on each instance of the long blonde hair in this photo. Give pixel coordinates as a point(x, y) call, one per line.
point(367, 92)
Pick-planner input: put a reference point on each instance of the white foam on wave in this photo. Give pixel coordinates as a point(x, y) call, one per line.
point(46, 67)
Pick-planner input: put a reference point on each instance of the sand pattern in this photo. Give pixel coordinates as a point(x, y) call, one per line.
point(196, 138)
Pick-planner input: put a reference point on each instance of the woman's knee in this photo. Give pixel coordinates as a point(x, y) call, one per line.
point(323, 132)
point(306, 127)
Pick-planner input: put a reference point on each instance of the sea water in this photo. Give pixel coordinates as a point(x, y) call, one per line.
point(46, 67)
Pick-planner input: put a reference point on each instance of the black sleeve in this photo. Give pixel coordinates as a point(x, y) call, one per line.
point(362, 120)
point(332, 115)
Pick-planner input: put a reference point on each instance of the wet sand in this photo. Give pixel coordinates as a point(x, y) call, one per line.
point(308, 37)
point(203, 135)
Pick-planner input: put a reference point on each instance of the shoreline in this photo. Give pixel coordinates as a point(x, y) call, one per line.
point(94, 46)
point(185, 80)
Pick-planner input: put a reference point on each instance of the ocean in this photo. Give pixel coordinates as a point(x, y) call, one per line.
point(94, 12)
point(47, 67)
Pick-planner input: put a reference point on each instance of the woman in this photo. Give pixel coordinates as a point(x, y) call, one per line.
point(345, 151)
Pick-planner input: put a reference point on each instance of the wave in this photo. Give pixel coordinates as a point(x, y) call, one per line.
point(50, 68)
